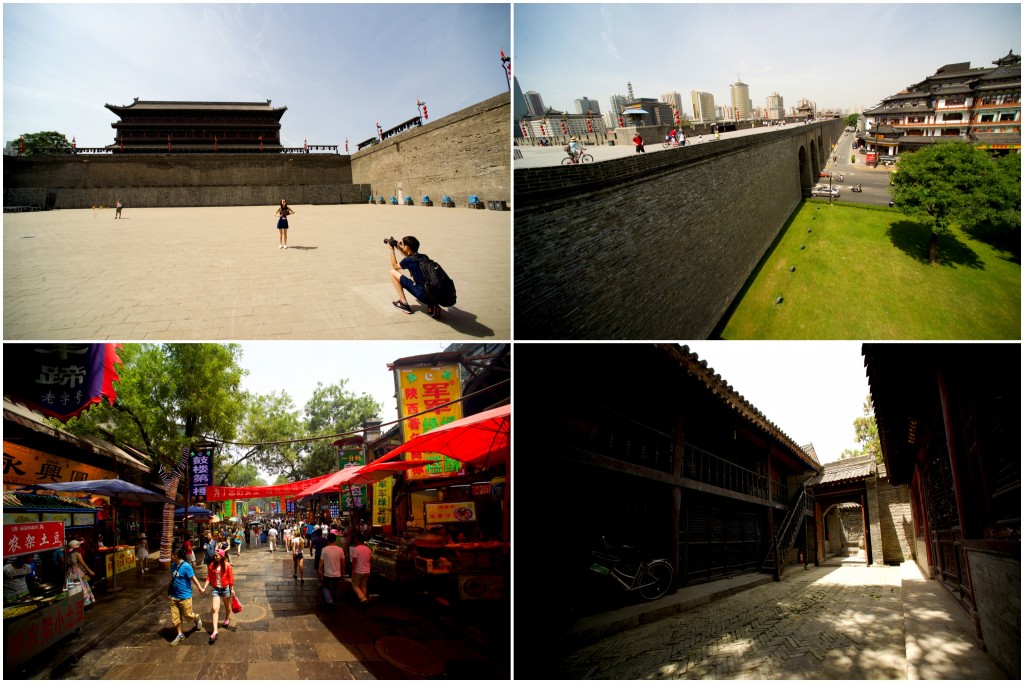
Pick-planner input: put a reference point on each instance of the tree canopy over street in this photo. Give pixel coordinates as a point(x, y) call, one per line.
point(958, 183)
point(171, 395)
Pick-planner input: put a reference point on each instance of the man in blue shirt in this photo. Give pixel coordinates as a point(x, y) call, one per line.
point(180, 594)
point(410, 246)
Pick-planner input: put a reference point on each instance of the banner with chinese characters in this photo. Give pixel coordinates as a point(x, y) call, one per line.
point(32, 538)
point(289, 506)
point(422, 388)
point(200, 462)
point(60, 380)
point(443, 513)
point(335, 509)
point(382, 502)
point(23, 465)
point(229, 507)
point(353, 497)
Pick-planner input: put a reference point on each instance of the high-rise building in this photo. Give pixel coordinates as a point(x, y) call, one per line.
point(585, 105)
point(703, 106)
point(618, 103)
point(519, 108)
point(776, 110)
point(534, 103)
point(739, 96)
point(674, 99)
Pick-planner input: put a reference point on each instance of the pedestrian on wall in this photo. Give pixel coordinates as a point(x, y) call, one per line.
point(638, 140)
point(222, 576)
point(117, 213)
point(179, 592)
point(282, 223)
point(361, 555)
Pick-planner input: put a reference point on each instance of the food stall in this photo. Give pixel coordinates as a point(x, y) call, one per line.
point(48, 613)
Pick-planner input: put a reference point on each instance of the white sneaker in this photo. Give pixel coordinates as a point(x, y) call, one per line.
point(286, 246)
point(280, 246)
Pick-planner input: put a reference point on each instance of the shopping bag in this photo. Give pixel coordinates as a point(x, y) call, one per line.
point(236, 606)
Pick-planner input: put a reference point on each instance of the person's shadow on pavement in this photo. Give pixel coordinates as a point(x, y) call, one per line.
point(464, 322)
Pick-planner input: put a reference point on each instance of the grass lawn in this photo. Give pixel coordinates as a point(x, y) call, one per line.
point(863, 273)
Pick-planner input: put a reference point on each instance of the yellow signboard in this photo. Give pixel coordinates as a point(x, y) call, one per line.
point(422, 388)
point(23, 465)
point(120, 561)
point(443, 513)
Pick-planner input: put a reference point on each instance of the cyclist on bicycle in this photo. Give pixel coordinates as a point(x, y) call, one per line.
point(574, 149)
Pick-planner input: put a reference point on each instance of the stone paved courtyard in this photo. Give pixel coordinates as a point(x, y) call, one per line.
point(173, 274)
point(845, 622)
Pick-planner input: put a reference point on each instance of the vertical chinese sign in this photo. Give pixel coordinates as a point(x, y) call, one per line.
point(352, 454)
point(421, 388)
point(382, 503)
point(200, 462)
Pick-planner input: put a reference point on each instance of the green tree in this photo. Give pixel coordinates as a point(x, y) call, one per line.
point(268, 418)
point(866, 431)
point(333, 410)
point(851, 120)
point(954, 183)
point(47, 142)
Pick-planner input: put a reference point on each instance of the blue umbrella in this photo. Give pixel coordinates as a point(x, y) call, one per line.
point(193, 512)
point(114, 488)
point(117, 489)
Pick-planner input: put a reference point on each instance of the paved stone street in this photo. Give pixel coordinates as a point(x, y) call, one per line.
point(828, 622)
point(217, 273)
point(280, 634)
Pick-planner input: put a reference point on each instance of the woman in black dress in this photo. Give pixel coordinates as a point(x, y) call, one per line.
point(282, 223)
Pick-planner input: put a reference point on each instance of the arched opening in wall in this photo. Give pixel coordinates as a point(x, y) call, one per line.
point(843, 533)
point(806, 177)
point(822, 152)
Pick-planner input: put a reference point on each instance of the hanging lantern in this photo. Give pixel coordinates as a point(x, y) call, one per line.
point(565, 131)
point(590, 126)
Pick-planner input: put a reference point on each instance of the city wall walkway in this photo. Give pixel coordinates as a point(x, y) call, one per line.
point(213, 273)
point(844, 621)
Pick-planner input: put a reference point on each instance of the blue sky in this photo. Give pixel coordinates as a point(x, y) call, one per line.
point(339, 68)
point(838, 55)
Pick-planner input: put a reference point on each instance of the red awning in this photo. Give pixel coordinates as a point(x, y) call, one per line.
point(481, 440)
point(361, 474)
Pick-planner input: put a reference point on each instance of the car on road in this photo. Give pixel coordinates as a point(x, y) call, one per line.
point(825, 191)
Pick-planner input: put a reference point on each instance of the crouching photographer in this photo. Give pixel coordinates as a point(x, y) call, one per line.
point(429, 283)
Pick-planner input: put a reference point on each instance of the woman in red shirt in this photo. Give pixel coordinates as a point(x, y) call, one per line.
point(222, 577)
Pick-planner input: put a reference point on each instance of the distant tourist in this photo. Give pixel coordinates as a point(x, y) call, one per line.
point(638, 140)
point(282, 223)
point(117, 214)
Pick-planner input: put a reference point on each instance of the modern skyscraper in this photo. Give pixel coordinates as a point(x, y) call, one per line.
point(674, 99)
point(703, 106)
point(519, 107)
point(585, 105)
point(534, 103)
point(775, 107)
point(739, 95)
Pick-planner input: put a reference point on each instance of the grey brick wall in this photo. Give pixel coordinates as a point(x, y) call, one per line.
point(651, 246)
point(853, 526)
point(996, 581)
point(897, 525)
point(461, 154)
point(465, 153)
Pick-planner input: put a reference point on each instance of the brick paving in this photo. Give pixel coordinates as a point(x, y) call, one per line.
point(174, 274)
point(828, 622)
point(281, 634)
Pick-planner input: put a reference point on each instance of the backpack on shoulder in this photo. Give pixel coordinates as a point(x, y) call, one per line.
point(439, 287)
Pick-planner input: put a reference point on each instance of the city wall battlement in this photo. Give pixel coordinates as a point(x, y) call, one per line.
point(655, 246)
point(465, 153)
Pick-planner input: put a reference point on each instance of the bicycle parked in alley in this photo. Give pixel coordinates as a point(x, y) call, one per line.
point(633, 570)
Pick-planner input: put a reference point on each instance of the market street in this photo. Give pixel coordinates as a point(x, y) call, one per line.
point(281, 634)
point(848, 621)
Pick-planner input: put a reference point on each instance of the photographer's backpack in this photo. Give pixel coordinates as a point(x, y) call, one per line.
point(436, 282)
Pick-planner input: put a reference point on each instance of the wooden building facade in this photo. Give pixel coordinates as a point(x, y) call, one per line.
point(949, 425)
point(151, 127)
point(645, 445)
